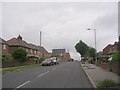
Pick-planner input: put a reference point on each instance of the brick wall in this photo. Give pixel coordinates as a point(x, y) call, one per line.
point(16, 63)
point(113, 67)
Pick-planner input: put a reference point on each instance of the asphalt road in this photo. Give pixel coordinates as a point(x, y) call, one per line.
point(64, 75)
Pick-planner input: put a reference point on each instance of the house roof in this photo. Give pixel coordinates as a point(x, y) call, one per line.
point(17, 42)
point(109, 45)
point(2, 41)
point(32, 46)
point(42, 49)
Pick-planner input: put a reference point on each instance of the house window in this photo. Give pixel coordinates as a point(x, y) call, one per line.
point(26, 50)
point(31, 51)
point(35, 52)
point(4, 46)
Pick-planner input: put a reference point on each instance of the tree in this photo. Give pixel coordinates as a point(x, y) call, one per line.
point(81, 48)
point(91, 51)
point(20, 55)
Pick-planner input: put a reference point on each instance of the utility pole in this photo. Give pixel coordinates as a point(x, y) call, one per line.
point(40, 45)
point(96, 62)
point(40, 38)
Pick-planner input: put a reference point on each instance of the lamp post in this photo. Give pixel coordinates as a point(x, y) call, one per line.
point(40, 46)
point(95, 45)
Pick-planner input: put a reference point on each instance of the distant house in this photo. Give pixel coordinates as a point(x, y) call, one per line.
point(58, 52)
point(61, 54)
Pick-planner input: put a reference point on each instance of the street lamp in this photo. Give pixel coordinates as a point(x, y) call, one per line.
point(95, 45)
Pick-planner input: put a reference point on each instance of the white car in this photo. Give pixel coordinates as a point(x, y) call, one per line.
point(55, 60)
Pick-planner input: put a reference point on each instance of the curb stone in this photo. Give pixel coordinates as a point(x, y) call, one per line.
point(93, 84)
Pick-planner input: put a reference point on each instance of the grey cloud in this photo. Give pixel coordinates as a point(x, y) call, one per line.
point(62, 24)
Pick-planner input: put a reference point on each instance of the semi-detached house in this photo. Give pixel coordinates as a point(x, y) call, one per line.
point(9, 46)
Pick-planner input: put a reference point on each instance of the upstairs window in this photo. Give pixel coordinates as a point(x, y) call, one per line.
point(4, 46)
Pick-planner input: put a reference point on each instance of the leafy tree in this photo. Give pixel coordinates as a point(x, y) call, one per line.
point(20, 55)
point(87, 54)
point(91, 51)
point(81, 48)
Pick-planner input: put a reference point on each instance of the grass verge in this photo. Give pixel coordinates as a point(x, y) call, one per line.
point(19, 68)
point(107, 85)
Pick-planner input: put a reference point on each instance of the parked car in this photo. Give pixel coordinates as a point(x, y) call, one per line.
point(47, 62)
point(71, 59)
point(55, 60)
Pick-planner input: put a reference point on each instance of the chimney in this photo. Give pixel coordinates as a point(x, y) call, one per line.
point(19, 37)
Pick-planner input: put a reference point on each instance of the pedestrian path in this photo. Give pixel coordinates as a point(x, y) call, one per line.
point(97, 74)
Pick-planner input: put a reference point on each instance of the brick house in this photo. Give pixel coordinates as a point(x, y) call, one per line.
point(32, 51)
point(4, 47)
point(42, 52)
point(108, 49)
point(66, 57)
point(61, 54)
point(58, 52)
point(18, 42)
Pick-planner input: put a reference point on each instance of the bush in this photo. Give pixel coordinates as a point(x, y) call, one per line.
point(41, 60)
point(116, 56)
point(106, 84)
point(6, 58)
point(20, 55)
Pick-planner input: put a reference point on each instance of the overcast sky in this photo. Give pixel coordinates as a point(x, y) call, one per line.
point(63, 24)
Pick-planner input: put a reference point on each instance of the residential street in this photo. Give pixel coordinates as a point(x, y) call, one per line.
point(64, 75)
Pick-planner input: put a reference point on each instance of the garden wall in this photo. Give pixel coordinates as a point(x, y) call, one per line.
point(110, 67)
point(16, 63)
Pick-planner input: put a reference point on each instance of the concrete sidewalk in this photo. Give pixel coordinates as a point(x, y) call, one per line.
point(97, 74)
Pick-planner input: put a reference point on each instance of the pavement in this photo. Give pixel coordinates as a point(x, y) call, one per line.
point(65, 75)
point(97, 74)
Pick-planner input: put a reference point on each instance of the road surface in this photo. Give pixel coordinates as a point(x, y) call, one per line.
point(65, 75)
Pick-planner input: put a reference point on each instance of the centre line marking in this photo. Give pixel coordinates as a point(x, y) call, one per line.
point(21, 85)
point(43, 74)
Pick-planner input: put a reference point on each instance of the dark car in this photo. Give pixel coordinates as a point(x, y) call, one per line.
point(71, 59)
point(47, 62)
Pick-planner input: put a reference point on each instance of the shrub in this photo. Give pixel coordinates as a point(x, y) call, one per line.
point(106, 84)
point(41, 60)
point(116, 56)
point(20, 55)
point(6, 58)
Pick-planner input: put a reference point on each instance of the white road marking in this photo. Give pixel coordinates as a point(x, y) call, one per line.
point(21, 85)
point(43, 74)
